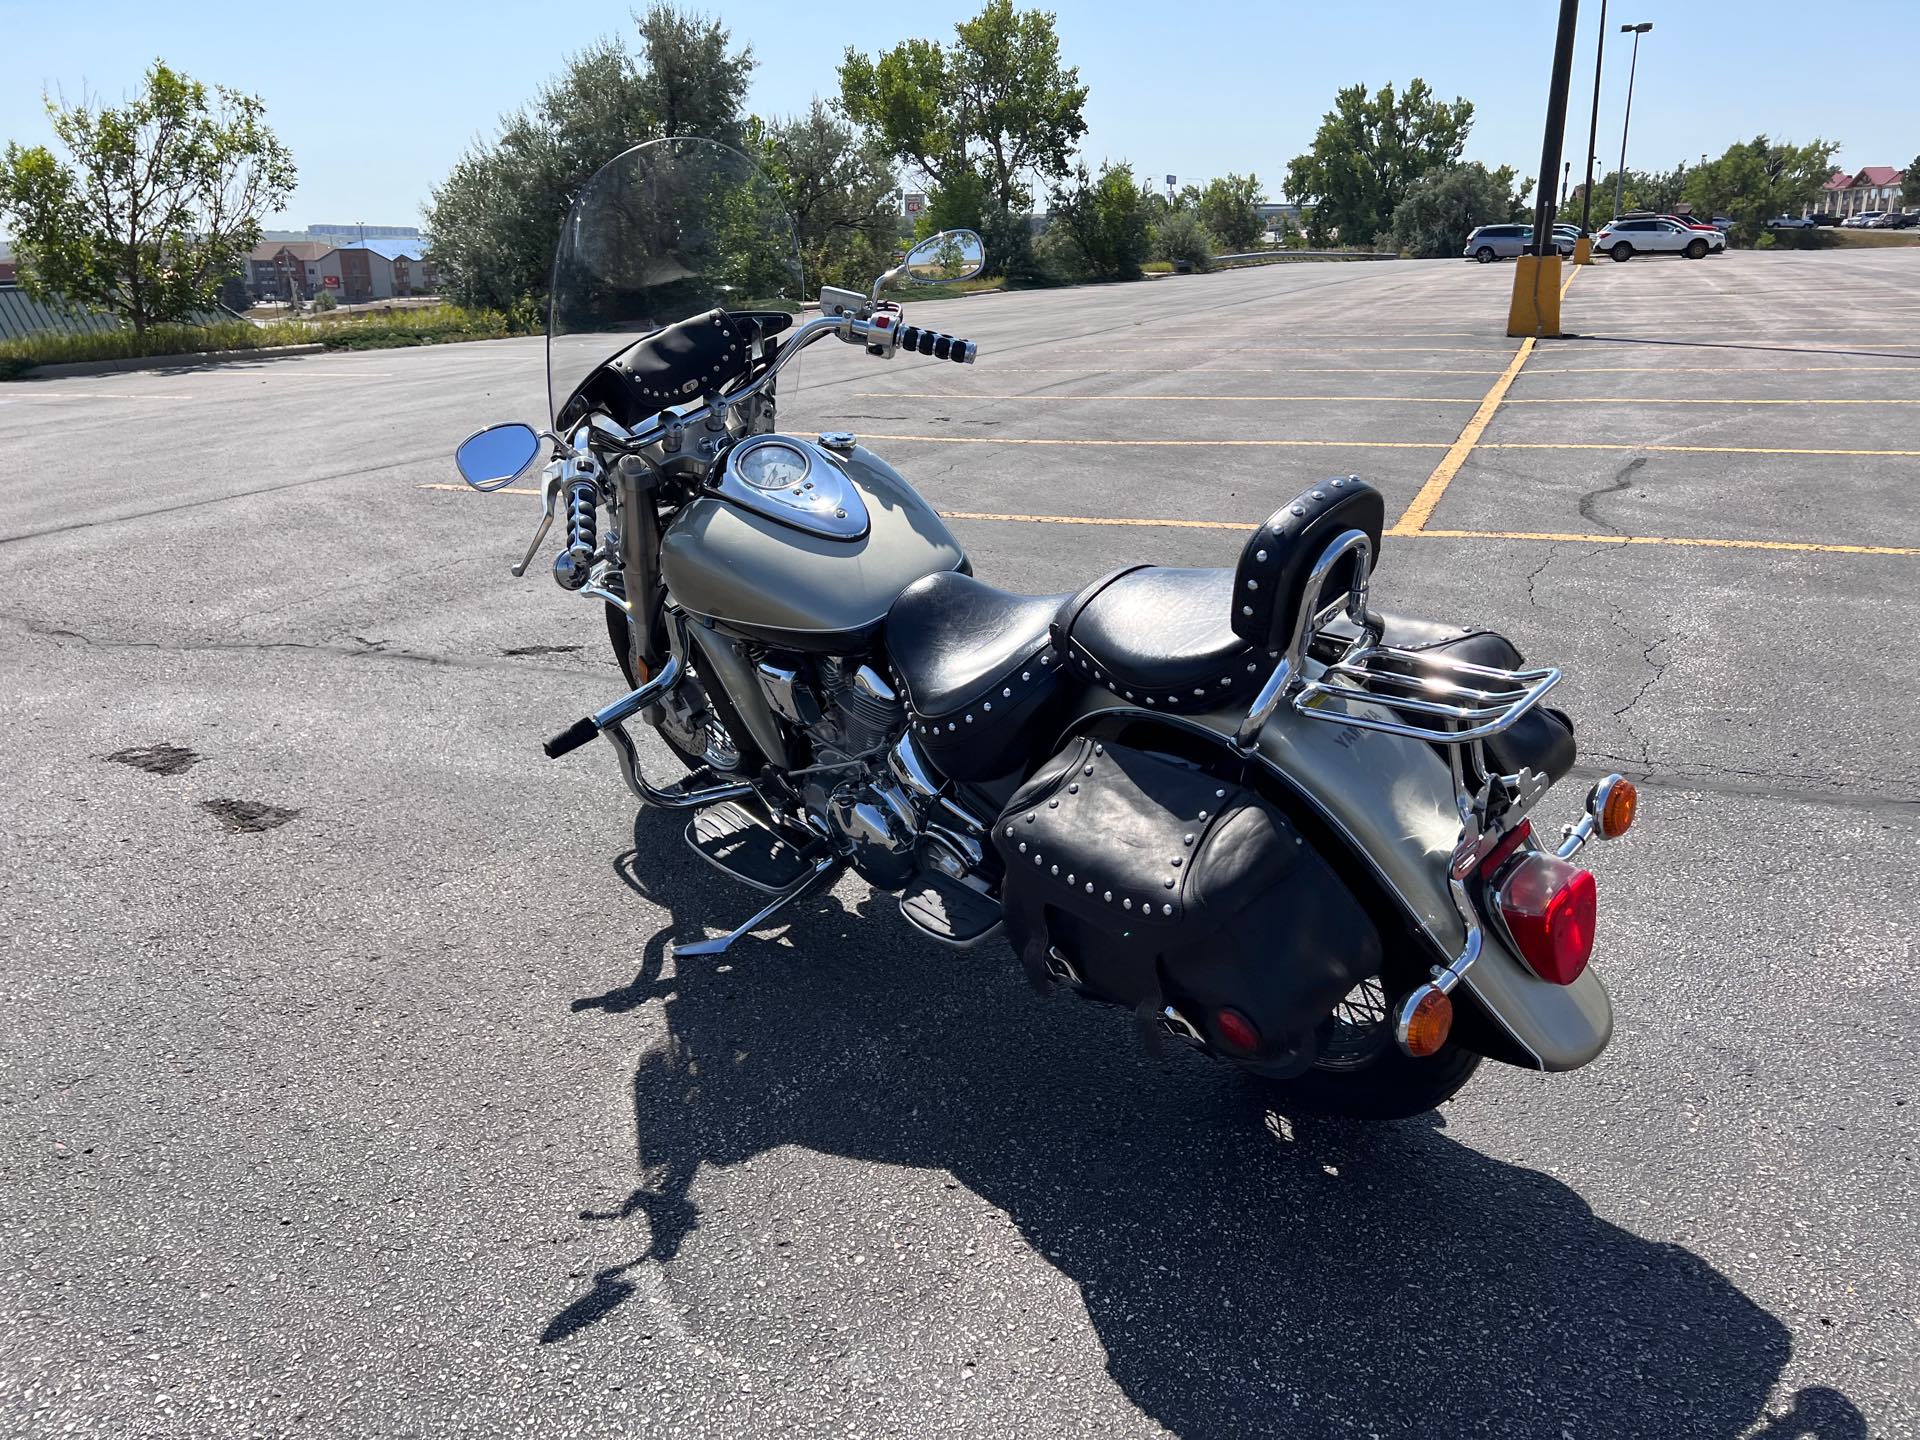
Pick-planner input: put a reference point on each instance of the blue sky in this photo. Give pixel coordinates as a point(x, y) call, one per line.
point(377, 100)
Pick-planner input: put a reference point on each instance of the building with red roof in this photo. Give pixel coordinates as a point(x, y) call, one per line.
point(1872, 187)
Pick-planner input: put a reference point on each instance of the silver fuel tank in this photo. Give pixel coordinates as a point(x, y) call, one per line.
point(799, 587)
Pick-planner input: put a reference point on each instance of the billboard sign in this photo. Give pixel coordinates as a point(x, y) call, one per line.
point(915, 203)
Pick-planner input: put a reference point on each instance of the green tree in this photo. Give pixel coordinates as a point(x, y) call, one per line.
point(157, 203)
point(1367, 153)
point(1443, 206)
point(494, 218)
point(841, 191)
point(995, 103)
point(1103, 220)
point(1757, 179)
point(1910, 183)
point(1181, 237)
point(1230, 209)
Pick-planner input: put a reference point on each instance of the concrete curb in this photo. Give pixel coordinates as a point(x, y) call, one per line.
point(167, 362)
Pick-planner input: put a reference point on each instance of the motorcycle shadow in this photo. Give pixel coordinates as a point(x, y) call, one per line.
point(1247, 1273)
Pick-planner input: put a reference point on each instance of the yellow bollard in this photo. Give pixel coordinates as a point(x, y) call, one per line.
point(1583, 250)
point(1536, 296)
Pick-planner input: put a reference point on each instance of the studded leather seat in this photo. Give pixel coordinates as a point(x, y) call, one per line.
point(978, 668)
point(1192, 640)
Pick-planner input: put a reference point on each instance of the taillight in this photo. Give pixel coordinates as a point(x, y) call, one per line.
point(1550, 908)
point(1237, 1032)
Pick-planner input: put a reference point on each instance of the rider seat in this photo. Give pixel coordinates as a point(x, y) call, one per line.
point(978, 669)
point(1187, 641)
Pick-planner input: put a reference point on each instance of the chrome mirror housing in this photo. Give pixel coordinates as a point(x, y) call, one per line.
point(944, 258)
point(497, 455)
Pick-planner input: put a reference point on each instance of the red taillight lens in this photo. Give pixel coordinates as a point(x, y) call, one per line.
point(1237, 1032)
point(1550, 908)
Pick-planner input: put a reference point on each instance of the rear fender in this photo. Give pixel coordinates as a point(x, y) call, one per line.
point(1382, 808)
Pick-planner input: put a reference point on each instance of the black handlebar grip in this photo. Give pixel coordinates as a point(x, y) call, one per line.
point(581, 525)
point(572, 738)
point(932, 342)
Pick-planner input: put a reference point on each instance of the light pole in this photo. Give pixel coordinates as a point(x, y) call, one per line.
point(1593, 128)
point(1620, 175)
point(1566, 174)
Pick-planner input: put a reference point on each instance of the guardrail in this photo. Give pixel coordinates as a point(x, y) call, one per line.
point(1308, 255)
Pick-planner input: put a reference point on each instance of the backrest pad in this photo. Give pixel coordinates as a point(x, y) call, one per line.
point(1276, 560)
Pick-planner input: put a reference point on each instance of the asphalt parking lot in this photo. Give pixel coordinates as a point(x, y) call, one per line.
point(346, 1087)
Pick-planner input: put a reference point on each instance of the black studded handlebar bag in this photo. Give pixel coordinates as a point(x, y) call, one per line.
point(1144, 880)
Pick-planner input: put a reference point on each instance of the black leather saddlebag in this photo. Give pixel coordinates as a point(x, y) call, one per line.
point(1159, 884)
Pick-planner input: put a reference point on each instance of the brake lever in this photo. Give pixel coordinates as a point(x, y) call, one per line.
point(554, 471)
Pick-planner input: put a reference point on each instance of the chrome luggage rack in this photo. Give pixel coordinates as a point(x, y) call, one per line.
point(1459, 702)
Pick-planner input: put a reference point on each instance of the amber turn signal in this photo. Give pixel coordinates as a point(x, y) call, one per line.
point(1425, 1018)
point(1613, 805)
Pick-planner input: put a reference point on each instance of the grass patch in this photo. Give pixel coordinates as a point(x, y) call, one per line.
point(431, 325)
point(1834, 238)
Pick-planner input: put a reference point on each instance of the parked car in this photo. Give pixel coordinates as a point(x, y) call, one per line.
point(1862, 221)
point(1791, 222)
point(1715, 237)
point(1723, 223)
point(1625, 238)
point(1488, 243)
point(1905, 220)
point(1824, 217)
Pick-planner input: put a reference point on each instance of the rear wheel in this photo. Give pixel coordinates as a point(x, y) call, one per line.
point(1696, 249)
point(1484, 254)
point(1622, 252)
point(1362, 1074)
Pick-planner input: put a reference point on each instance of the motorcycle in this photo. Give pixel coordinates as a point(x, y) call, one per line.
point(1284, 830)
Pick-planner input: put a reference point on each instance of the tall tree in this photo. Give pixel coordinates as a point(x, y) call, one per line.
point(841, 190)
point(1910, 183)
point(1230, 208)
point(1443, 206)
point(1757, 179)
point(1368, 151)
point(156, 204)
point(495, 216)
point(995, 102)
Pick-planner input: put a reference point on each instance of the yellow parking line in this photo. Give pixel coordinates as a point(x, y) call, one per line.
point(1316, 349)
point(1164, 444)
point(1690, 449)
point(1416, 515)
point(1332, 399)
point(1278, 399)
point(1681, 400)
point(1808, 546)
point(1725, 370)
point(1685, 540)
point(1238, 370)
point(1152, 523)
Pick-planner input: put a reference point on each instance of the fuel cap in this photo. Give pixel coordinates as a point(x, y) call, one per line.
point(837, 439)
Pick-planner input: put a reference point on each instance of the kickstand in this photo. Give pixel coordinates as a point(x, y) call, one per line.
point(824, 872)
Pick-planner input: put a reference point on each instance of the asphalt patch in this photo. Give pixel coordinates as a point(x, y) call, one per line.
point(158, 759)
point(247, 817)
point(542, 649)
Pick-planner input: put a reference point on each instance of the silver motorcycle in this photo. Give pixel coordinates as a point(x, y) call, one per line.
point(1283, 829)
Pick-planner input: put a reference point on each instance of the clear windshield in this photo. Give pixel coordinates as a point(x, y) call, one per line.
point(663, 232)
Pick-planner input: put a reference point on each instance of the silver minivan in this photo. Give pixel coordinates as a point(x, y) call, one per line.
point(1498, 242)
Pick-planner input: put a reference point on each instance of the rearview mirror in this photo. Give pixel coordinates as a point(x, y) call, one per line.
point(497, 455)
point(941, 259)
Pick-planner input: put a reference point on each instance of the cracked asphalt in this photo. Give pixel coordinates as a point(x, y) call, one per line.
point(347, 1087)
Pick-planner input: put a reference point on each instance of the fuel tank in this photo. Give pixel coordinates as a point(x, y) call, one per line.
point(773, 581)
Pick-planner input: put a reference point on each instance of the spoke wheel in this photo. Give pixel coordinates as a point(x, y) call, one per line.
point(1360, 1027)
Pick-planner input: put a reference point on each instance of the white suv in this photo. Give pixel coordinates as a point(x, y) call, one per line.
point(1624, 239)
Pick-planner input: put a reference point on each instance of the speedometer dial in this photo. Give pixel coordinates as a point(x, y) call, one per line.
point(772, 466)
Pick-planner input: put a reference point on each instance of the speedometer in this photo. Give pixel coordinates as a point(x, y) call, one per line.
point(772, 465)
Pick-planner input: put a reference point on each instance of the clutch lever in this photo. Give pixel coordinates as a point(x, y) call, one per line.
point(554, 471)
